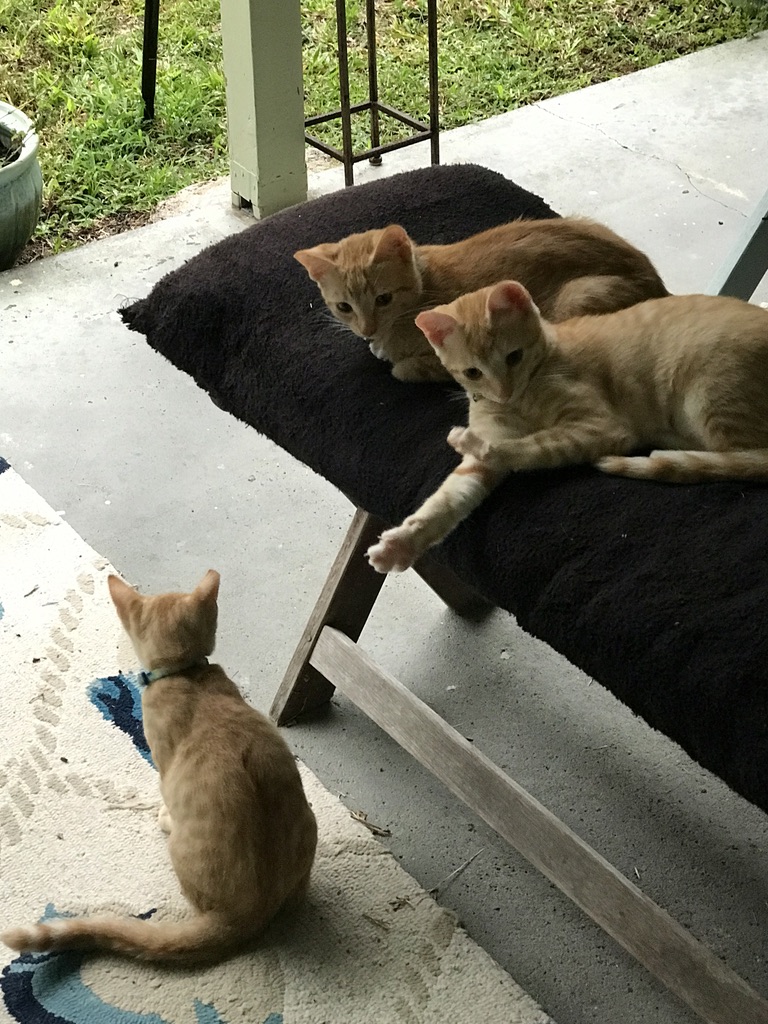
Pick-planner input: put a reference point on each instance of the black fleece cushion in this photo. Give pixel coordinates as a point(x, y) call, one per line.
point(658, 591)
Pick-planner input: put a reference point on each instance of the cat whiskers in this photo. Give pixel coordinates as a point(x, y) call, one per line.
point(330, 320)
point(327, 315)
point(457, 394)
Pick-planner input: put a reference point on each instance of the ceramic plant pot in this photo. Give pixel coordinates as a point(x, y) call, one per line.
point(21, 187)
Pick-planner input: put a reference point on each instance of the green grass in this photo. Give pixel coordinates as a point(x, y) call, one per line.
point(74, 67)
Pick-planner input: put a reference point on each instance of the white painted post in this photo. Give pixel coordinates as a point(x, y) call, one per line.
point(265, 103)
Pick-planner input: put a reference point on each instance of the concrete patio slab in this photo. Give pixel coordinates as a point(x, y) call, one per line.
point(165, 485)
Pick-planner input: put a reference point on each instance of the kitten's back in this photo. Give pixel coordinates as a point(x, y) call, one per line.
point(572, 265)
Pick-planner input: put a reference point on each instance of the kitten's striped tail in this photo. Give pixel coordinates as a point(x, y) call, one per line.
point(202, 939)
point(683, 467)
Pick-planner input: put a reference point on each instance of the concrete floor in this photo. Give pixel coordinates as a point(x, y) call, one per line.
point(164, 484)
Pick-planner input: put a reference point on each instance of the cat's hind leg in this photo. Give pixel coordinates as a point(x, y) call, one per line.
point(601, 293)
point(299, 893)
point(164, 819)
point(689, 467)
point(729, 448)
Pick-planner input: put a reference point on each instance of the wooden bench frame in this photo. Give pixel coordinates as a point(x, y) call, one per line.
point(329, 657)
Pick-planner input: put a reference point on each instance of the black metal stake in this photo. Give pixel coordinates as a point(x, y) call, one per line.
point(434, 99)
point(346, 116)
point(373, 78)
point(375, 108)
point(149, 57)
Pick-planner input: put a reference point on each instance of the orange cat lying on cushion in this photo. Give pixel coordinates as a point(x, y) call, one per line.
point(242, 836)
point(682, 372)
point(376, 282)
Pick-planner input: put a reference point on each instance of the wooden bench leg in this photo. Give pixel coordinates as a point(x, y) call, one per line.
point(458, 595)
point(328, 656)
point(345, 602)
point(657, 940)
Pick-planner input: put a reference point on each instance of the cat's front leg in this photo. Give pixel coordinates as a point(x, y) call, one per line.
point(397, 549)
point(462, 491)
point(466, 442)
point(566, 444)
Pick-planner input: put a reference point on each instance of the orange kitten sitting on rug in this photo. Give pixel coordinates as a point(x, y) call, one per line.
point(688, 373)
point(376, 282)
point(242, 836)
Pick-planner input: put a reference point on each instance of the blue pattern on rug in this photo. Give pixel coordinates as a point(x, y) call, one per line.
point(46, 988)
point(207, 1014)
point(118, 698)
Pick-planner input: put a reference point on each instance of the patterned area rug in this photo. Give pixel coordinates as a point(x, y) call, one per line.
point(78, 800)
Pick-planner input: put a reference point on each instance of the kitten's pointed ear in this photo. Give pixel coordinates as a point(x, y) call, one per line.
point(208, 587)
point(318, 261)
point(121, 593)
point(508, 296)
point(435, 326)
point(394, 244)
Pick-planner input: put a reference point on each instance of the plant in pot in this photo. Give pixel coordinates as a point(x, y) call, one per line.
point(21, 183)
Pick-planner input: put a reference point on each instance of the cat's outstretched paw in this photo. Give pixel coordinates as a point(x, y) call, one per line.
point(395, 551)
point(465, 442)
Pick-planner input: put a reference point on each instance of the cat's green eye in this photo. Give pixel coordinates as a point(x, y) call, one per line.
point(514, 357)
point(384, 299)
point(343, 307)
point(473, 373)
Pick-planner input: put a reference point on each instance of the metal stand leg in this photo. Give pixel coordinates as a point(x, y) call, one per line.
point(373, 78)
point(345, 112)
point(434, 99)
point(149, 57)
point(373, 105)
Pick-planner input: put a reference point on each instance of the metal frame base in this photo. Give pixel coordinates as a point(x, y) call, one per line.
point(423, 131)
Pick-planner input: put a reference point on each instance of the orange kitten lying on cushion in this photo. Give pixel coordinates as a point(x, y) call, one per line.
point(376, 282)
point(687, 373)
point(242, 836)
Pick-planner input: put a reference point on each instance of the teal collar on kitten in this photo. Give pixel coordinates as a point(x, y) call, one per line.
point(145, 678)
